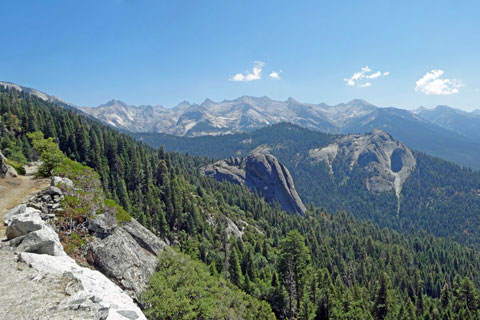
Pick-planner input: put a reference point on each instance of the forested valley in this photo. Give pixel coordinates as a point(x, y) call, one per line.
point(326, 265)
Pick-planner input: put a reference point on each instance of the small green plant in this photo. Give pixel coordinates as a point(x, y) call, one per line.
point(74, 243)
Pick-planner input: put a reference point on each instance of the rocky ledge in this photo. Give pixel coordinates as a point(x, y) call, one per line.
point(123, 254)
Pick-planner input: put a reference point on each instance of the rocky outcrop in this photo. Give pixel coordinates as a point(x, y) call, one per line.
point(126, 254)
point(6, 171)
point(388, 162)
point(27, 231)
point(262, 173)
point(231, 170)
point(123, 253)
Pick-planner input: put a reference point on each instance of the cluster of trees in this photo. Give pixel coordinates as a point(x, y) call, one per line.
point(318, 267)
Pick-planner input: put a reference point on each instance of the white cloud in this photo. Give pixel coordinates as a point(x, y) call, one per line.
point(359, 78)
point(256, 73)
point(374, 75)
point(275, 75)
point(432, 83)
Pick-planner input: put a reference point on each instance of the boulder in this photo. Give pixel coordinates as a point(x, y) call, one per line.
point(50, 191)
point(28, 232)
point(123, 260)
point(21, 224)
point(21, 209)
point(59, 182)
point(6, 171)
point(43, 241)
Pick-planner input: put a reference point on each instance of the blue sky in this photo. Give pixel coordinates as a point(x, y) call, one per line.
point(163, 52)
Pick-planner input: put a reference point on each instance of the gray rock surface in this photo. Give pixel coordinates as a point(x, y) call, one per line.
point(273, 180)
point(144, 237)
point(26, 294)
point(59, 181)
point(388, 162)
point(261, 172)
point(89, 290)
point(102, 225)
point(21, 209)
point(6, 171)
point(89, 294)
point(231, 170)
point(21, 224)
point(28, 232)
point(123, 260)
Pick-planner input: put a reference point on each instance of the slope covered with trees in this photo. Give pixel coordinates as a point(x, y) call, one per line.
point(439, 196)
point(318, 267)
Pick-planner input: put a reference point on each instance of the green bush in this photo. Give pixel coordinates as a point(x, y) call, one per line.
point(50, 154)
point(183, 289)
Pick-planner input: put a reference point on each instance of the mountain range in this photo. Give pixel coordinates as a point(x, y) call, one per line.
point(444, 132)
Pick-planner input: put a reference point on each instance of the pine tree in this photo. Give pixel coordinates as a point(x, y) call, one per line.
point(380, 308)
point(234, 271)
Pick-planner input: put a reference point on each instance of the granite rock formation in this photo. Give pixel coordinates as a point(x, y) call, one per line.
point(262, 173)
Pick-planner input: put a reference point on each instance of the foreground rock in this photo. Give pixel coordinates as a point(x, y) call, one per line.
point(126, 254)
point(28, 232)
point(88, 290)
point(262, 173)
point(27, 294)
point(123, 253)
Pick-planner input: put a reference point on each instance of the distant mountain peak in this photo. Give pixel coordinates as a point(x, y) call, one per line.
point(208, 102)
point(115, 102)
point(291, 100)
point(359, 102)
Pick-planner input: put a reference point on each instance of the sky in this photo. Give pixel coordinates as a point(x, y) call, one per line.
point(403, 54)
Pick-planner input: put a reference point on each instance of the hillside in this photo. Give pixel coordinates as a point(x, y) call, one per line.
point(248, 242)
point(434, 192)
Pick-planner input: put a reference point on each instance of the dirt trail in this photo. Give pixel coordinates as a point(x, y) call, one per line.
point(14, 191)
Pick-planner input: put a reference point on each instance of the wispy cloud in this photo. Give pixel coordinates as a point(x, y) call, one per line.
point(256, 73)
point(275, 75)
point(359, 79)
point(432, 83)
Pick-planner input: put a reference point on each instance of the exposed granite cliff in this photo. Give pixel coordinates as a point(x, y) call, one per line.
point(389, 162)
point(262, 173)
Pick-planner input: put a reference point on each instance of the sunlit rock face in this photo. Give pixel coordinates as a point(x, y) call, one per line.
point(388, 162)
